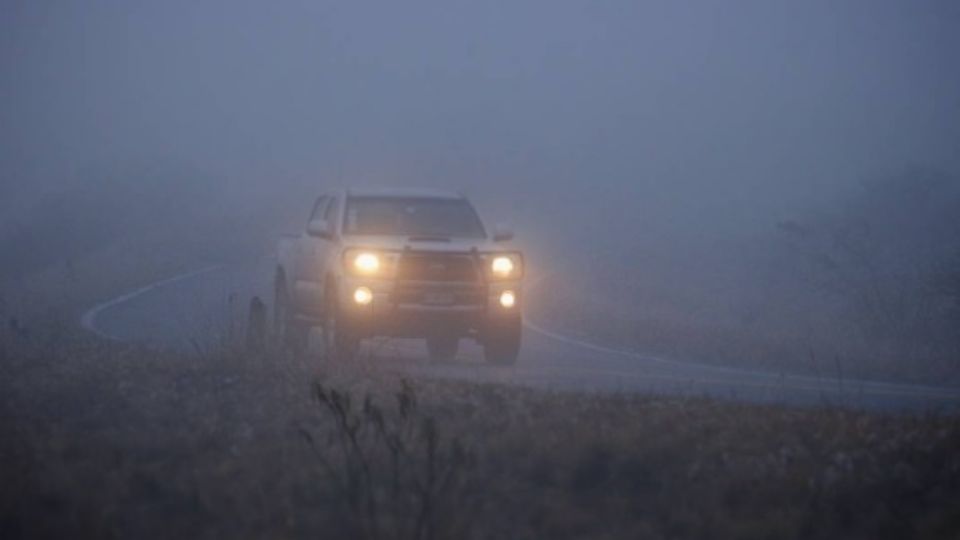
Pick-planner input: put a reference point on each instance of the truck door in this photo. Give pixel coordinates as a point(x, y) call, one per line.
point(306, 295)
point(315, 256)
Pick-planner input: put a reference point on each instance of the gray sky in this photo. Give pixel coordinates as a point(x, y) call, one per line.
point(709, 108)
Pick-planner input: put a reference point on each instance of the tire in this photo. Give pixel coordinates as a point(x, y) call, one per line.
point(443, 348)
point(339, 343)
point(501, 345)
point(289, 334)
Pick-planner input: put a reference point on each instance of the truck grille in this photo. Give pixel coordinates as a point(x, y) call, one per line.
point(455, 295)
point(436, 267)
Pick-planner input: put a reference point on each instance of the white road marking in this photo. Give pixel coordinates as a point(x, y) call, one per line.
point(89, 318)
point(770, 380)
point(774, 380)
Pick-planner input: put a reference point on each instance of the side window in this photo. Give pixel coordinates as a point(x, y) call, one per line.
point(333, 214)
point(318, 208)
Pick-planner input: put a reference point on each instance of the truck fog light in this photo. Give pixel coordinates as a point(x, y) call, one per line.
point(363, 296)
point(508, 299)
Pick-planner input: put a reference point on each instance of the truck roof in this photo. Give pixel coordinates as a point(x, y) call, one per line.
point(419, 193)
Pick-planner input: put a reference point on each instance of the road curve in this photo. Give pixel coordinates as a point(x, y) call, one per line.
point(195, 309)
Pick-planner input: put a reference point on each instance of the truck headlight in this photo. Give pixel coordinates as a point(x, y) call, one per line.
point(366, 262)
point(363, 262)
point(502, 266)
point(506, 266)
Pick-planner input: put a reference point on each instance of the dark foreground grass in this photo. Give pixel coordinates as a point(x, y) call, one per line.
point(112, 441)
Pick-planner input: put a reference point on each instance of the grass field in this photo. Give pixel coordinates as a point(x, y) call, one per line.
point(102, 440)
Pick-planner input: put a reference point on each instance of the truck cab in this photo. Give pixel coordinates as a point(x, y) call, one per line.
point(400, 263)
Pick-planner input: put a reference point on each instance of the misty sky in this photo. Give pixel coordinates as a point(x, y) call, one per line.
point(718, 107)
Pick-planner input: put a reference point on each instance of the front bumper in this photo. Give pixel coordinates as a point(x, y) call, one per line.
point(423, 308)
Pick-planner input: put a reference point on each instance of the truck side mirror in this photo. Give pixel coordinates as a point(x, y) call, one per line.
point(502, 233)
point(320, 228)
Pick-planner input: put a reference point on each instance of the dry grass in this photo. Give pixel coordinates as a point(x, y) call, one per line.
point(114, 441)
point(787, 344)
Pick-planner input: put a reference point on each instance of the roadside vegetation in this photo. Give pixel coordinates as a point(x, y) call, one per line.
point(113, 441)
point(866, 288)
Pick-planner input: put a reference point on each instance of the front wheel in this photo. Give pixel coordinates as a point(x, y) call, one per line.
point(288, 332)
point(443, 348)
point(501, 345)
point(339, 342)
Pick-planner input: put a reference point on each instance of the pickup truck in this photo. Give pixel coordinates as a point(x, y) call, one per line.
point(399, 263)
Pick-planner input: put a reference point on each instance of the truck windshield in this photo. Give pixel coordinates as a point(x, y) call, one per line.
point(429, 217)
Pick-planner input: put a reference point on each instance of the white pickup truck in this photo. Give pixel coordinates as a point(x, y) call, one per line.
point(400, 263)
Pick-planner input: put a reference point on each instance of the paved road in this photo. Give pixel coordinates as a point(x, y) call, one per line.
point(195, 310)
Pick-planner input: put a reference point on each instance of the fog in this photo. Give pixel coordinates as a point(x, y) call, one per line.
point(656, 141)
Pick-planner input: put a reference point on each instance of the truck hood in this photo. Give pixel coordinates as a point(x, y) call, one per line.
point(400, 243)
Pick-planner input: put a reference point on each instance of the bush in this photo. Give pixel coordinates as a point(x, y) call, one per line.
point(391, 470)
